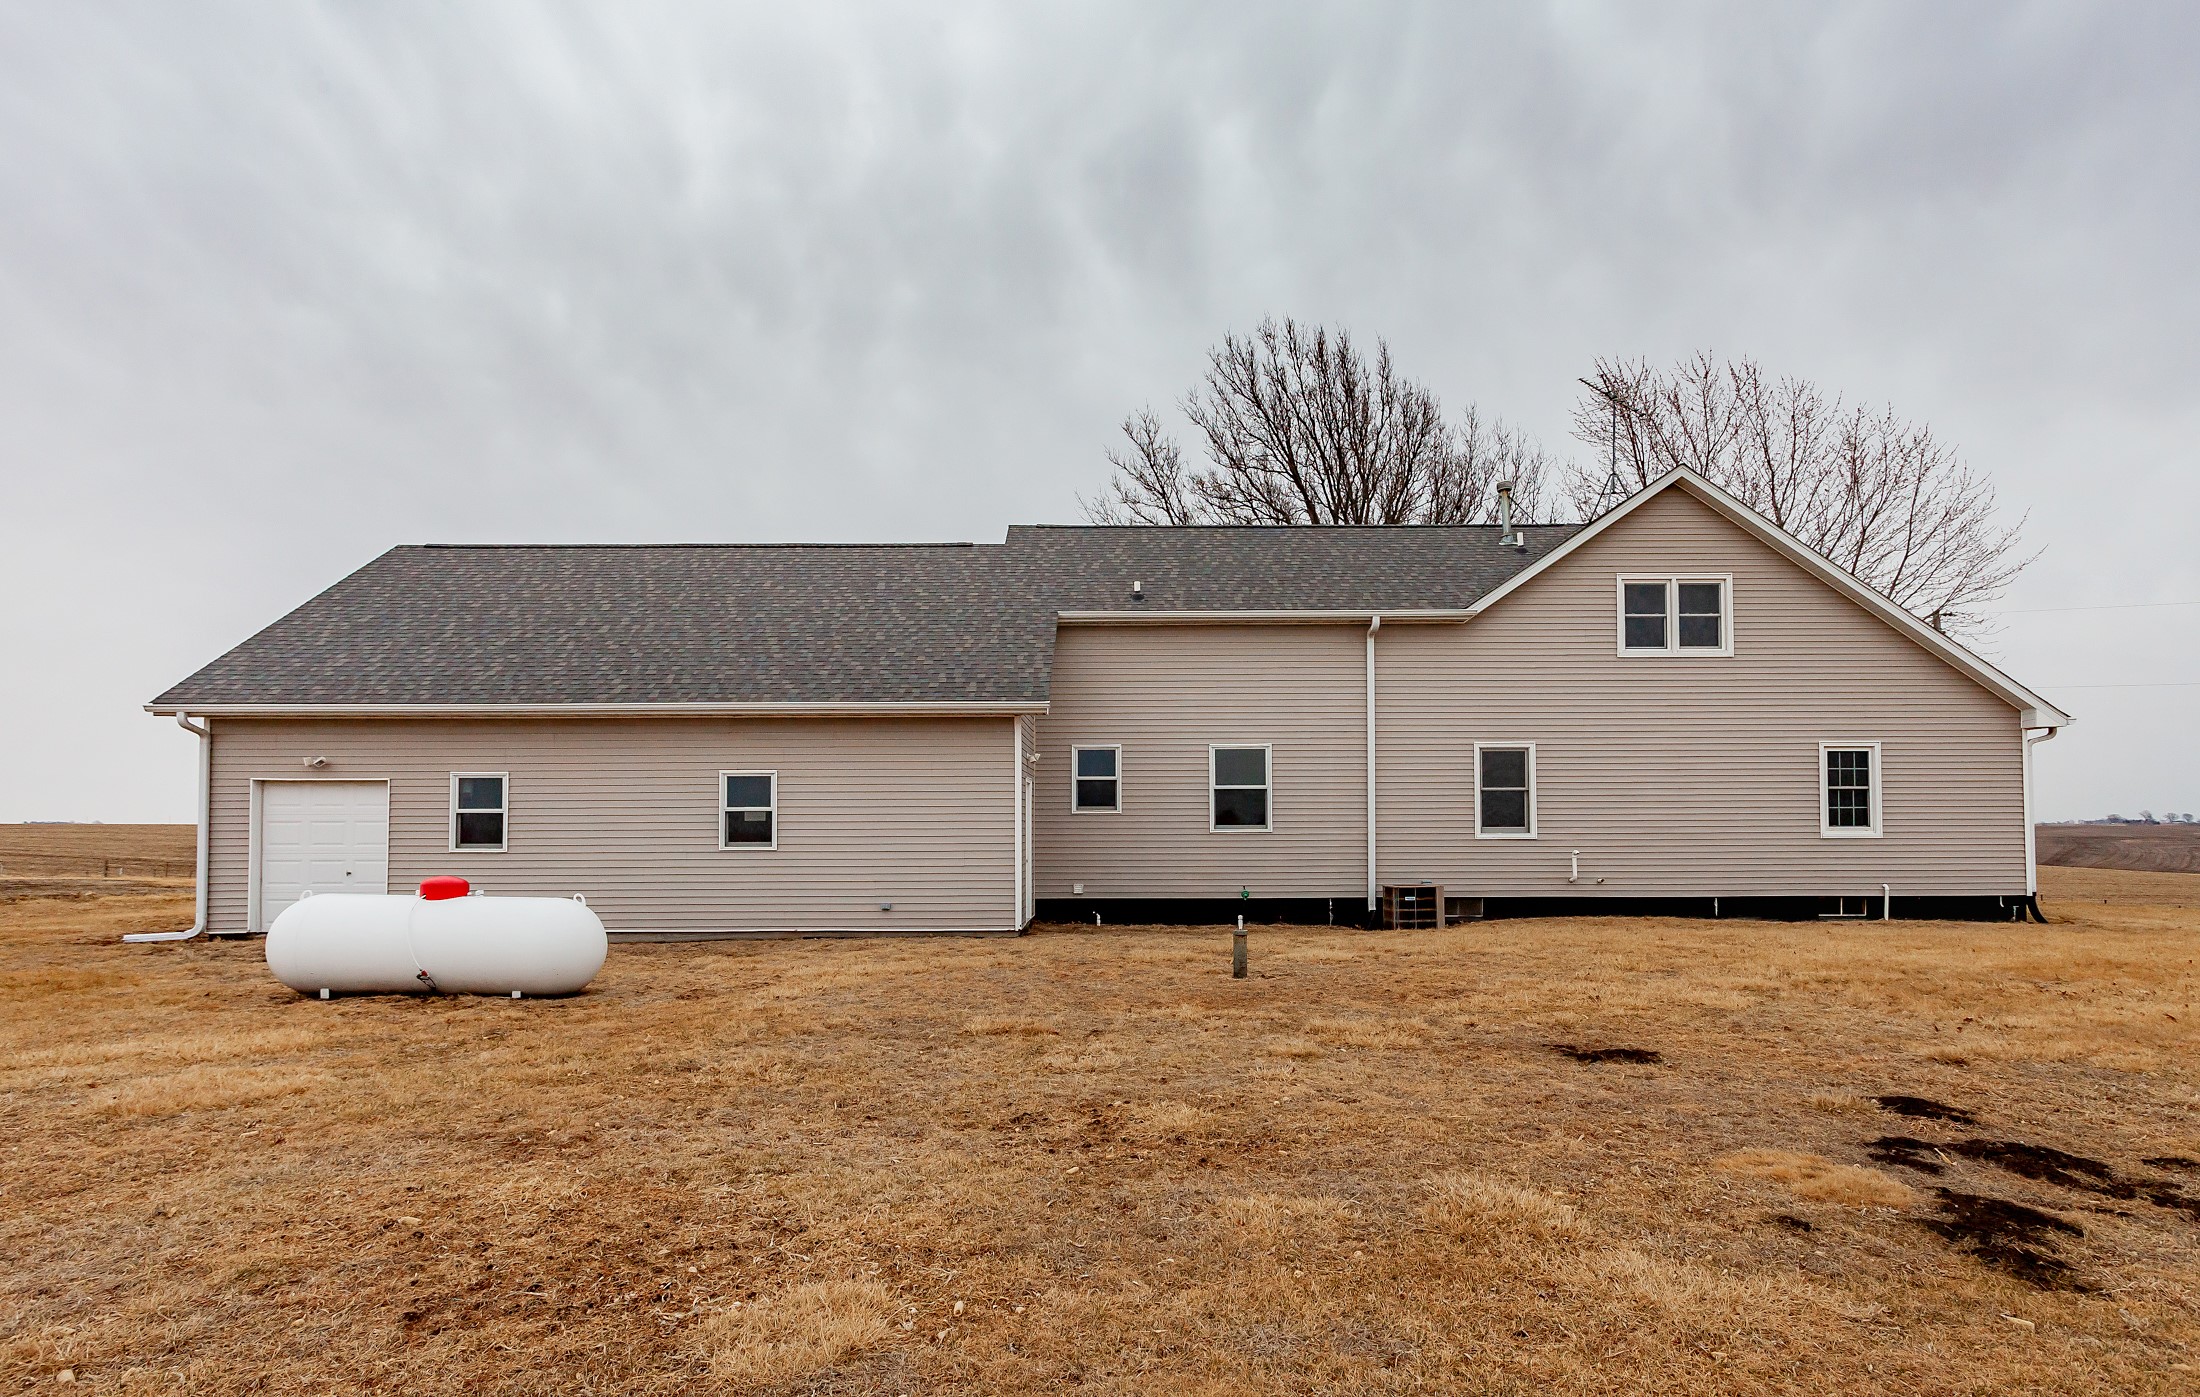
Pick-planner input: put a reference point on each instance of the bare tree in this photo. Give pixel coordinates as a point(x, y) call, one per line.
point(1882, 497)
point(1300, 428)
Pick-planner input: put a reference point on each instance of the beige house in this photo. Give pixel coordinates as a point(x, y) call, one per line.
point(1677, 707)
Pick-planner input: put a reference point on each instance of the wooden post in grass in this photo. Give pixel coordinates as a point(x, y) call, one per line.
point(1237, 951)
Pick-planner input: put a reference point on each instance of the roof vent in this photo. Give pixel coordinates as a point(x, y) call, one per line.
point(1138, 591)
point(1507, 535)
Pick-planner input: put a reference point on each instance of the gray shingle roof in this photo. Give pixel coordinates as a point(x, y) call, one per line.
point(1259, 568)
point(926, 623)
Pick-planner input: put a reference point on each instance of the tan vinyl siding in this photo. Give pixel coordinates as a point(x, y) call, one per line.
point(913, 811)
point(1163, 694)
point(1691, 775)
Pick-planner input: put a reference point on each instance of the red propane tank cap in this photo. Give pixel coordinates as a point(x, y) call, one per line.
point(438, 888)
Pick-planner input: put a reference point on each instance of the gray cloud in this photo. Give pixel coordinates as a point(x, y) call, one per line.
point(282, 286)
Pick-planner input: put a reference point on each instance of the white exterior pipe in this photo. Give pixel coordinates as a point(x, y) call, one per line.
point(368, 943)
point(1886, 903)
point(206, 787)
point(1374, 888)
point(2031, 849)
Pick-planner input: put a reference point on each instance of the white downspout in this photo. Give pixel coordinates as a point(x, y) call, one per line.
point(1374, 889)
point(206, 786)
point(2031, 850)
point(1016, 812)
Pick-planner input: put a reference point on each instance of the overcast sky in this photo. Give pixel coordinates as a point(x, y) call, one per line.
point(283, 285)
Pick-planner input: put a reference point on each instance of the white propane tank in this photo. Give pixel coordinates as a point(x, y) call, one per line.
point(441, 940)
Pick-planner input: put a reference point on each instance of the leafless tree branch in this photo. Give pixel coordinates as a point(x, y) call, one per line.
point(1882, 497)
point(1300, 427)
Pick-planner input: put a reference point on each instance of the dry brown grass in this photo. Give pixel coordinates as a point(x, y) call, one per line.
point(1089, 1159)
point(797, 1333)
point(1822, 1179)
point(1477, 1208)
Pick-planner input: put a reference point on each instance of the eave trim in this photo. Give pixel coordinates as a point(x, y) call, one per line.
point(1325, 617)
point(974, 709)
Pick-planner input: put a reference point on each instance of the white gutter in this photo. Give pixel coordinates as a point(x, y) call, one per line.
point(2031, 837)
point(206, 786)
point(1308, 617)
point(1374, 889)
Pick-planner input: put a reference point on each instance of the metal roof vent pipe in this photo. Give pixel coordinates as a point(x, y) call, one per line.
point(1507, 535)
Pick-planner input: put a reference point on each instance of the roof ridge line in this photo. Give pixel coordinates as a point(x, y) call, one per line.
point(606, 547)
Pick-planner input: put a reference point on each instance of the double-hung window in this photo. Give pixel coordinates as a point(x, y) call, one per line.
point(478, 811)
point(1238, 787)
point(1504, 790)
point(1848, 789)
point(1676, 615)
point(1096, 783)
point(748, 809)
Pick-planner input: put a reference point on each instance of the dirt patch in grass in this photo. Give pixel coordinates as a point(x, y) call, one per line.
point(1581, 1054)
point(2010, 1236)
point(1090, 1161)
point(2047, 1164)
point(1924, 1108)
point(2043, 1163)
point(1909, 1152)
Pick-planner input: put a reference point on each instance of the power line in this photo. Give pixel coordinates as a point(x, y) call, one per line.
point(2162, 684)
point(2117, 606)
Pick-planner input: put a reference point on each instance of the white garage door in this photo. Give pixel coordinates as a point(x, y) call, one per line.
point(322, 837)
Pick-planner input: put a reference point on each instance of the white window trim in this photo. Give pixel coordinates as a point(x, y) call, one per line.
point(505, 811)
point(1117, 808)
point(1673, 649)
point(1269, 765)
point(1532, 830)
point(1826, 829)
point(725, 843)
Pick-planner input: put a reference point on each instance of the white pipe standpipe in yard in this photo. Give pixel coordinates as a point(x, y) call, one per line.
point(206, 786)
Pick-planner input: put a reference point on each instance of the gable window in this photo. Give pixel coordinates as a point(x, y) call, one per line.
point(1676, 615)
point(1848, 789)
point(1238, 782)
point(1097, 780)
point(1504, 790)
point(478, 811)
point(1642, 616)
point(749, 810)
point(1701, 607)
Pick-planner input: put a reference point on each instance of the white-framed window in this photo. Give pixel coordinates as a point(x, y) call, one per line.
point(748, 809)
point(1504, 790)
point(1849, 782)
point(480, 810)
point(1676, 615)
point(1096, 780)
point(1239, 786)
